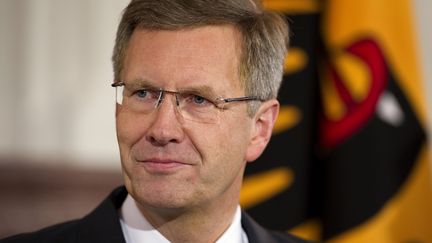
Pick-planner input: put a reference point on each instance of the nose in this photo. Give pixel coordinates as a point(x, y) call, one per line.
point(167, 124)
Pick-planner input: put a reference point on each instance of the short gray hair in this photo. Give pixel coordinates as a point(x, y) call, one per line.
point(265, 35)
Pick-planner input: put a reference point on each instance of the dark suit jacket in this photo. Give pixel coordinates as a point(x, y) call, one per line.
point(103, 226)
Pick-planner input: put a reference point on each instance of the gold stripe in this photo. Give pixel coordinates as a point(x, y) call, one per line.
point(295, 61)
point(289, 116)
point(309, 230)
point(265, 185)
point(292, 6)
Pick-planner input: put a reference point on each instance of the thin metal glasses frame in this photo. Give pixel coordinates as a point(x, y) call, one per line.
point(216, 102)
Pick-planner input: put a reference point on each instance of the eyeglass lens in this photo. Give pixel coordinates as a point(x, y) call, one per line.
point(191, 106)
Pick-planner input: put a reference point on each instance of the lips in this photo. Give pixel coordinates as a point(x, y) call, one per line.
point(161, 166)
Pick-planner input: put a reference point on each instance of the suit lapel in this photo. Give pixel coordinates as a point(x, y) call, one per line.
point(103, 224)
point(255, 233)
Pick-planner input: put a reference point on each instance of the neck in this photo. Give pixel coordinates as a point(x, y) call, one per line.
point(205, 223)
point(198, 225)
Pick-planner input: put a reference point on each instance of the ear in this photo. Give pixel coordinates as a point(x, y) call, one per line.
point(261, 129)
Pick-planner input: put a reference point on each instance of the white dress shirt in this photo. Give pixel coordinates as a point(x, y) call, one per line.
point(136, 228)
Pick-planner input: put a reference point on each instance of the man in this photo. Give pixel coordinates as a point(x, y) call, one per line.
point(196, 84)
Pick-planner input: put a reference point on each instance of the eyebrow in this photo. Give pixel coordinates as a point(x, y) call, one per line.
point(203, 90)
point(141, 83)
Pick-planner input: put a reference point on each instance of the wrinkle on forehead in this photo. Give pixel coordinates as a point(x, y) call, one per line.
point(184, 54)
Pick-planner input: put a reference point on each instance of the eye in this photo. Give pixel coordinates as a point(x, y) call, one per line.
point(146, 94)
point(195, 100)
point(141, 93)
point(199, 99)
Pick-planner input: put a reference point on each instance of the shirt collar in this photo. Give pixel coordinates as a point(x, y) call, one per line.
point(137, 229)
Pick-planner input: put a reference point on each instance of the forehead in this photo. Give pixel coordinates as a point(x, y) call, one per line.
point(173, 58)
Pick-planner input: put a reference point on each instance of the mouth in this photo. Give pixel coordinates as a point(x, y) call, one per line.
point(161, 166)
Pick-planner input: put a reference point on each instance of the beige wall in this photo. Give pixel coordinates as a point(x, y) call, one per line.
point(55, 78)
point(423, 11)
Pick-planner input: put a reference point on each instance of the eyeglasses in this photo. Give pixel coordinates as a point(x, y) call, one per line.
point(190, 104)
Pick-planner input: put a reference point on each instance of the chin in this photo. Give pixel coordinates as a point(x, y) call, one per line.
point(159, 197)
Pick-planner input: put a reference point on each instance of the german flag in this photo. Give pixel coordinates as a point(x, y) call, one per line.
point(348, 161)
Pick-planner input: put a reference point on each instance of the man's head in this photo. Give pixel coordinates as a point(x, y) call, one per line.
point(179, 150)
point(264, 36)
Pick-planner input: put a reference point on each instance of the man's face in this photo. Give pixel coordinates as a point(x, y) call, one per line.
point(170, 162)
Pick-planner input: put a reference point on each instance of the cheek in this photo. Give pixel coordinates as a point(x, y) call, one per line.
point(236, 132)
point(221, 144)
point(223, 150)
point(129, 129)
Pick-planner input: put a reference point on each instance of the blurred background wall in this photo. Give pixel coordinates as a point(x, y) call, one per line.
point(57, 126)
point(56, 102)
point(58, 152)
point(423, 9)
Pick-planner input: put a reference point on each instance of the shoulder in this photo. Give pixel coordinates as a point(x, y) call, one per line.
point(257, 234)
point(64, 232)
point(101, 225)
point(286, 238)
